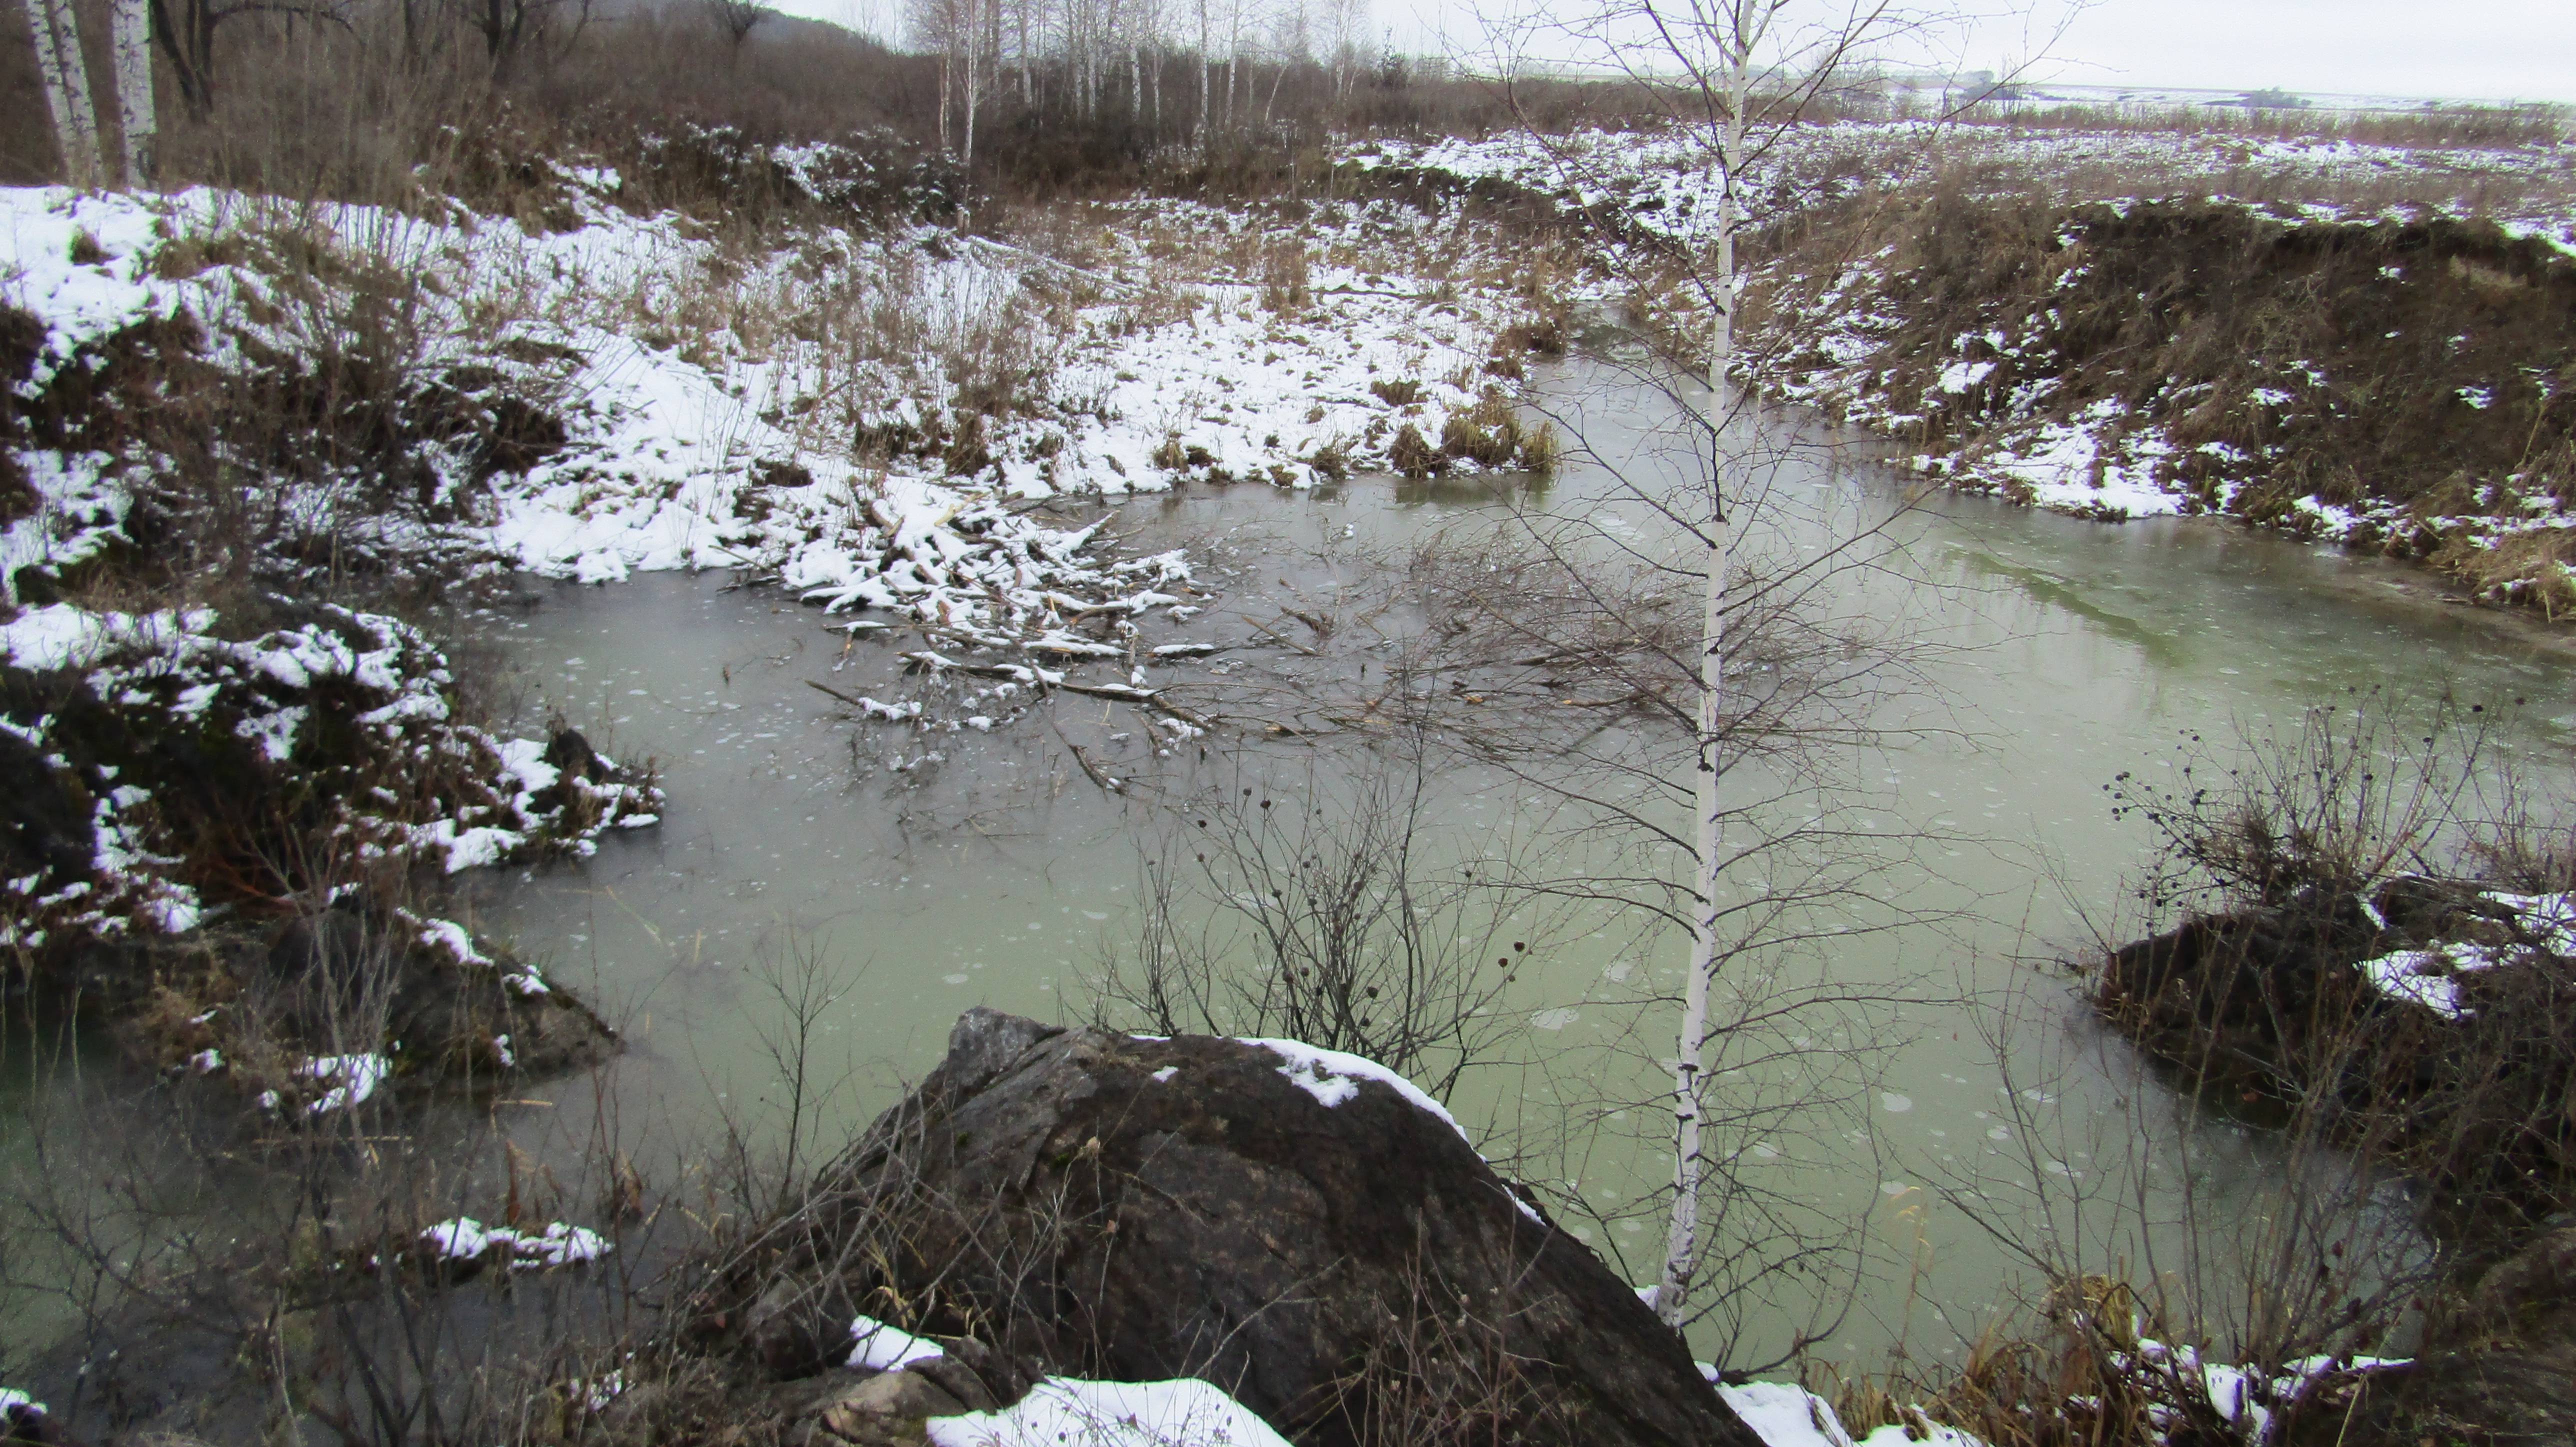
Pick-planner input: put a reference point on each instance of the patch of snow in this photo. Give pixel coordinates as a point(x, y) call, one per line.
point(1333, 1077)
point(2550, 917)
point(879, 1347)
point(2430, 976)
point(2247, 1397)
point(2427, 977)
point(559, 1244)
point(458, 1240)
point(1060, 1412)
point(354, 1078)
point(1784, 1415)
point(452, 937)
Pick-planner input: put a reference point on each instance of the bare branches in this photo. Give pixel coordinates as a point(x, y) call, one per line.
point(1331, 915)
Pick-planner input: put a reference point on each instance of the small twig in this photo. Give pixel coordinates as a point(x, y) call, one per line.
point(1107, 783)
point(1283, 639)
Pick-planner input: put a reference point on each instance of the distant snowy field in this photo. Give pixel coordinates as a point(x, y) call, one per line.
point(1667, 180)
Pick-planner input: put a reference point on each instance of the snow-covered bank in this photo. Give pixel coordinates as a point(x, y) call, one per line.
point(846, 412)
point(2353, 343)
point(1185, 1413)
point(170, 729)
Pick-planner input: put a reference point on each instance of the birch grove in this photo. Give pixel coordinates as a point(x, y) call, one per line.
point(1105, 59)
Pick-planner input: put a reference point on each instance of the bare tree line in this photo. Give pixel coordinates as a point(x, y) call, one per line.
point(1109, 59)
point(106, 129)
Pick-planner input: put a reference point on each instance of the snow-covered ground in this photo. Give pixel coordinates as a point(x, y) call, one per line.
point(862, 417)
point(769, 410)
point(2176, 1382)
point(2542, 926)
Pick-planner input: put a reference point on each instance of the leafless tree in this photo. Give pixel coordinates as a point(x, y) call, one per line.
point(63, 74)
point(736, 18)
point(967, 35)
point(1735, 78)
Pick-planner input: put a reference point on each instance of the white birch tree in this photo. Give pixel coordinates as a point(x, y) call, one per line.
point(1736, 76)
point(65, 76)
point(1344, 24)
point(130, 23)
point(968, 36)
point(1734, 81)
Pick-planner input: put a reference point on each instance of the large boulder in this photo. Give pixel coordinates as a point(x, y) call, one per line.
point(1303, 1230)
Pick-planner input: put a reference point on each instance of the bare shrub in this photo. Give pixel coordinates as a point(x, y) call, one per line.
point(1284, 278)
point(1331, 915)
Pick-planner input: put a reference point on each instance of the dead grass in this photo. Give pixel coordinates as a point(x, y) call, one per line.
point(2529, 569)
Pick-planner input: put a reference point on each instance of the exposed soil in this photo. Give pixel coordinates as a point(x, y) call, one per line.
point(2403, 385)
point(2505, 1372)
point(354, 977)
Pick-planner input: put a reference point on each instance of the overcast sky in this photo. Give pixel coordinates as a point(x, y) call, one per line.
point(2466, 49)
point(2485, 49)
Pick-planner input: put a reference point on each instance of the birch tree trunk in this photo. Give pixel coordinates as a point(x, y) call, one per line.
point(1690, 1165)
point(973, 93)
point(1206, 133)
point(132, 31)
point(947, 69)
point(65, 75)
